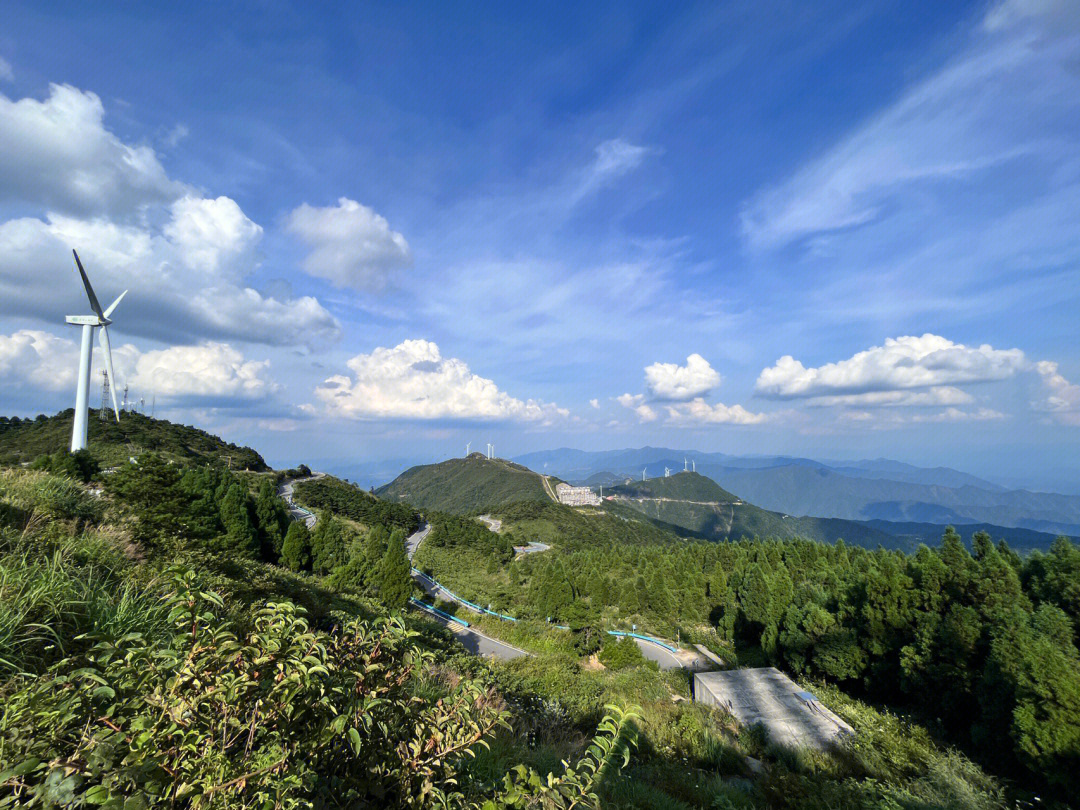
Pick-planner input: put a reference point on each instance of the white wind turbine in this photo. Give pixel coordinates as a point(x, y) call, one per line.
point(89, 323)
point(643, 473)
point(467, 446)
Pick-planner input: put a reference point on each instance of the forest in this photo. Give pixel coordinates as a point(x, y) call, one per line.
point(981, 646)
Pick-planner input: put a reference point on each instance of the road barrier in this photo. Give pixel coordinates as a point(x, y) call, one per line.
point(504, 617)
point(437, 612)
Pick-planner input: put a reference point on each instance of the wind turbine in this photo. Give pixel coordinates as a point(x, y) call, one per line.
point(667, 472)
point(684, 468)
point(89, 323)
point(467, 446)
point(694, 463)
point(643, 473)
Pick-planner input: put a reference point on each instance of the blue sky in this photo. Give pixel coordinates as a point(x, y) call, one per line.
point(363, 233)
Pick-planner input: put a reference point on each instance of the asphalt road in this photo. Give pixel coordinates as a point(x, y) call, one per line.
point(285, 491)
point(476, 642)
point(413, 541)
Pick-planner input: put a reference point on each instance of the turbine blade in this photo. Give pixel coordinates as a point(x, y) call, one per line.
point(104, 336)
point(112, 306)
point(94, 305)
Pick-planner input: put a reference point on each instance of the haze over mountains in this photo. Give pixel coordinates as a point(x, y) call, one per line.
point(873, 490)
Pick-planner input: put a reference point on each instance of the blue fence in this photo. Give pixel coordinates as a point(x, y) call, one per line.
point(438, 612)
point(478, 609)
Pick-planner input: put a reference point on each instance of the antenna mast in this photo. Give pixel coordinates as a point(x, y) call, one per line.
point(104, 395)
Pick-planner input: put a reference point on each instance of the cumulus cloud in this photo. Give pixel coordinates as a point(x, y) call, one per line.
point(901, 363)
point(414, 381)
point(208, 370)
point(185, 258)
point(700, 412)
point(187, 280)
point(1062, 398)
point(39, 359)
point(636, 403)
point(594, 403)
point(208, 234)
point(351, 245)
point(1004, 95)
point(674, 382)
point(57, 153)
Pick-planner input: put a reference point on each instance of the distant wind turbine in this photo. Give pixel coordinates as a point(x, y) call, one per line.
point(667, 472)
point(467, 446)
point(643, 473)
point(86, 355)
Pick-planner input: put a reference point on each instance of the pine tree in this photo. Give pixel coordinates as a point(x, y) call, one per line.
point(296, 548)
point(394, 577)
point(272, 519)
point(240, 535)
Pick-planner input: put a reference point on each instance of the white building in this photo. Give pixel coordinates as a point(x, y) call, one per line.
point(576, 496)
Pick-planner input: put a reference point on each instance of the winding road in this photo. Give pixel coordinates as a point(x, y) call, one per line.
point(471, 639)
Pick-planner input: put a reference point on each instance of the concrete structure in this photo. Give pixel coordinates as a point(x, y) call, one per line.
point(576, 496)
point(792, 716)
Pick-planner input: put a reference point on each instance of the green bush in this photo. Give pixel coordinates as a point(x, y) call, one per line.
point(620, 653)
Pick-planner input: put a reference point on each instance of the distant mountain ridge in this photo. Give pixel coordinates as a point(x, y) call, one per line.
point(865, 490)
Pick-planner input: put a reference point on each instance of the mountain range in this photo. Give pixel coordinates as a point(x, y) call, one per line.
point(869, 490)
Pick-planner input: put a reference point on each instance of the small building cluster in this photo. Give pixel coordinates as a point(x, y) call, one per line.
point(576, 496)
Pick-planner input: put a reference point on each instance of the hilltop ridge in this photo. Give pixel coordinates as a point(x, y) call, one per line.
point(461, 485)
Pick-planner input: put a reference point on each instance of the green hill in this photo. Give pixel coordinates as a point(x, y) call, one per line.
point(23, 440)
point(683, 486)
point(462, 485)
point(691, 504)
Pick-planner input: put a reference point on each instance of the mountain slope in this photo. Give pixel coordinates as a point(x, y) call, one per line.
point(461, 485)
point(23, 440)
point(692, 504)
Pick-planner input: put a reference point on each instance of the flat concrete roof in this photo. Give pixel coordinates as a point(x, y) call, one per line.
point(792, 716)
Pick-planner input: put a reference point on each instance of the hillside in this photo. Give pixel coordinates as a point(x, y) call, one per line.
point(693, 505)
point(23, 440)
point(462, 485)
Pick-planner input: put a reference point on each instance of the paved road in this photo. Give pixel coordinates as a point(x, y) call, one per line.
point(654, 652)
point(413, 541)
point(494, 524)
point(285, 491)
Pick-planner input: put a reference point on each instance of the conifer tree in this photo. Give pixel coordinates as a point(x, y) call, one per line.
point(296, 548)
point(394, 577)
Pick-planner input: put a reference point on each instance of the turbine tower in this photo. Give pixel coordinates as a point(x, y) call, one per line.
point(467, 446)
point(643, 473)
point(694, 463)
point(684, 467)
point(86, 355)
point(667, 472)
point(124, 405)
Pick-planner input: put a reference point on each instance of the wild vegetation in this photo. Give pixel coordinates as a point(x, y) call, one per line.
point(111, 442)
point(982, 646)
point(354, 503)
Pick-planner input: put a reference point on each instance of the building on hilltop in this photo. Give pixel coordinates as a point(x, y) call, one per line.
point(576, 496)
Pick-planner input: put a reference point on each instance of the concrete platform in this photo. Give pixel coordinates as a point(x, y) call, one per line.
point(792, 716)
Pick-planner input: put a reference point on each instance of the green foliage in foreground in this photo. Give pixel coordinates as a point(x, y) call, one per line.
point(129, 686)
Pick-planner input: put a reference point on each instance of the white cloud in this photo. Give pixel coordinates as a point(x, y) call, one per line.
point(1005, 95)
point(6, 73)
point(902, 363)
point(958, 415)
point(39, 359)
point(700, 412)
point(938, 395)
point(176, 134)
point(187, 281)
point(636, 403)
point(186, 259)
point(209, 233)
point(414, 381)
point(57, 153)
point(594, 403)
point(352, 246)
point(206, 371)
point(674, 382)
point(1062, 400)
point(614, 158)
point(209, 370)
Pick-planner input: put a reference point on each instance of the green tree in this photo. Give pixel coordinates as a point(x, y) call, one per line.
point(272, 518)
point(296, 548)
point(394, 576)
point(240, 534)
